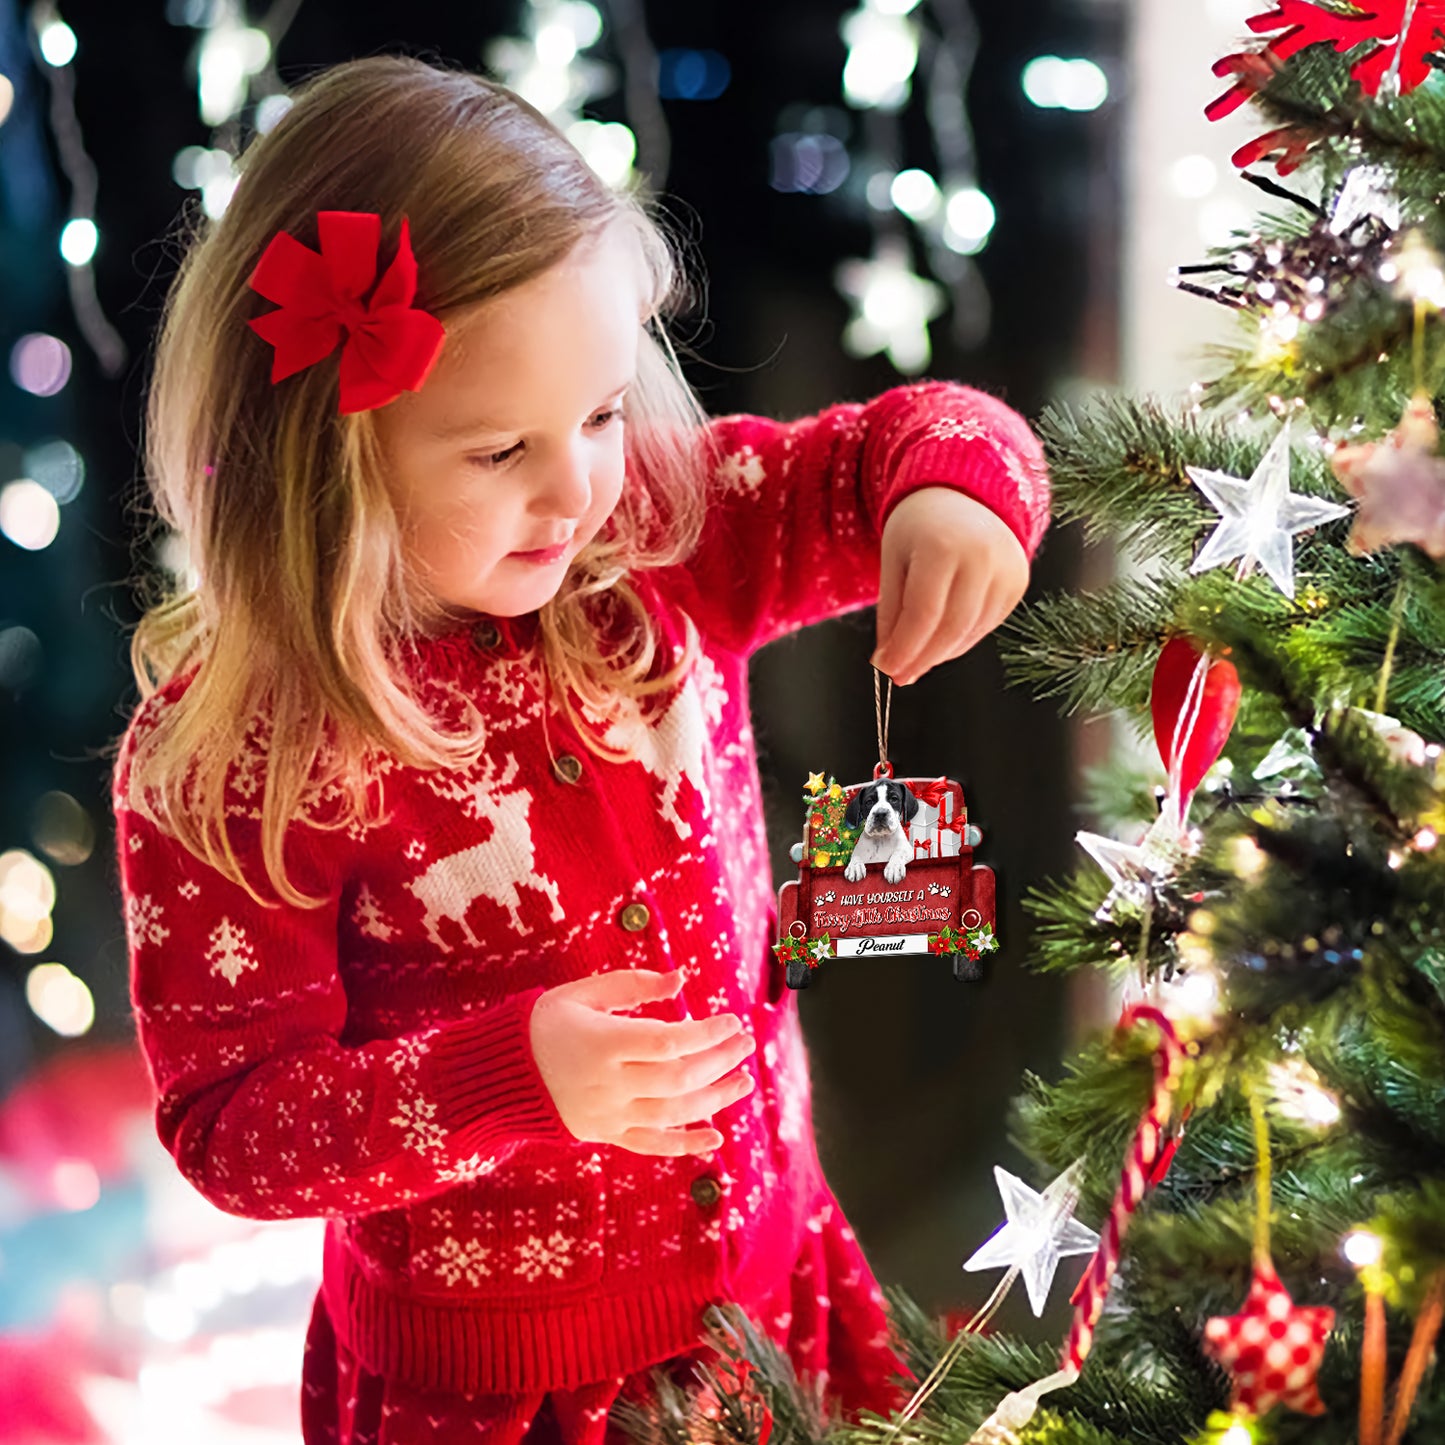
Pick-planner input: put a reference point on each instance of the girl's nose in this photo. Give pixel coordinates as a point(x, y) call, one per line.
point(566, 489)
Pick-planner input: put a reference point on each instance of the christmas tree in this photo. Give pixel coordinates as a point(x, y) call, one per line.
point(1260, 1143)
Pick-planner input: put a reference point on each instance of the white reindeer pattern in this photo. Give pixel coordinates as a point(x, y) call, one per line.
point(494, 868)
point(670, 749)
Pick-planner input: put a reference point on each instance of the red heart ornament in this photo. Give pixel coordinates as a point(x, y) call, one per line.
point(1216, 709)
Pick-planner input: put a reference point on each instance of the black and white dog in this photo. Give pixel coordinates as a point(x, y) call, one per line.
point(882, 808)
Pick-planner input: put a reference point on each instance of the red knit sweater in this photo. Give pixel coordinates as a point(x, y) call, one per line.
point(369, 1061)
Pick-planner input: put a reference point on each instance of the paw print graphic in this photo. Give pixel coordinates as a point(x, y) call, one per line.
point(933, 888)
point(945, 890)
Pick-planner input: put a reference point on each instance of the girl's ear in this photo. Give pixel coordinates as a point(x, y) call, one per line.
point(853, 817)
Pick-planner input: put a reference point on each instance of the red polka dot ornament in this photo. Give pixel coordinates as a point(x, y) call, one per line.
point(1272, 1348)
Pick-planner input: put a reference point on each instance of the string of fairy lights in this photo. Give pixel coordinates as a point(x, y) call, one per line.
point(898, 50)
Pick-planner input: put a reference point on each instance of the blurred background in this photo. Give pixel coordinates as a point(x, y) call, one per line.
point(878, 191)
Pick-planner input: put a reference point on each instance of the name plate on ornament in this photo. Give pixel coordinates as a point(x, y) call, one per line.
point(882, 943)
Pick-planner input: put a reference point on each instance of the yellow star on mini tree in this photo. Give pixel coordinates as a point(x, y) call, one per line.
point(814, 784)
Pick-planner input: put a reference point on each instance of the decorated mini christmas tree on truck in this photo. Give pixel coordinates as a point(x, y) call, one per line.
point(1260, 1141)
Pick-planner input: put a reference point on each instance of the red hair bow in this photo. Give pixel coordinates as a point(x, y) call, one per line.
point(390, 345)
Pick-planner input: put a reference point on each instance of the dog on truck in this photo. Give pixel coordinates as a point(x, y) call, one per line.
point(881, 809)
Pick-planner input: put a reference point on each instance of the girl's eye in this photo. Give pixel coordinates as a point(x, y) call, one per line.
point(495, 459)
point(599, 422)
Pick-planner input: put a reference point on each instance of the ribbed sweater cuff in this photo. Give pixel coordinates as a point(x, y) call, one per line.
point(484, 1079)
point(976, 469)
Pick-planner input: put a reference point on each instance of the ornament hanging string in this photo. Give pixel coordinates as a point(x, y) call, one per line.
point(1263, 1188)
point(1184, 726)
point(939, 1372)
point(883, 768)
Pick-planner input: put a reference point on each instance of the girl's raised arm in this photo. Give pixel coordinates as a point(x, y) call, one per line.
point(794, 537)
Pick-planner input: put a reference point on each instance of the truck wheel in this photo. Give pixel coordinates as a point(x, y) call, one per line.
point(799, 974)
point(968, 969)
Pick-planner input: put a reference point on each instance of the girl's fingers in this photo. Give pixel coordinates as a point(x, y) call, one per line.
point(649, 1041)
point(890, 590)
point(956, 620)
point(672, 1142)
point(690, 1072)
point(924, 605)
point(676, 1110)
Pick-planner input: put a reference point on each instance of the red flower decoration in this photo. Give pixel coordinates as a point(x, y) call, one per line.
point(1301, 23)
point(390, 347)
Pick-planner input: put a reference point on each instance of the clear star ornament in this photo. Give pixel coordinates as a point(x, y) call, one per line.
point(1136, 869)
point(1260, 517)
point(1039, 1231)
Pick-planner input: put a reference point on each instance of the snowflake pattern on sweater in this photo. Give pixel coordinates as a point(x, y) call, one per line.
point(369, 1061)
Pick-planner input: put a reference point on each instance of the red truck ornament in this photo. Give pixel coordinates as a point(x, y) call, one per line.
point(885, 867)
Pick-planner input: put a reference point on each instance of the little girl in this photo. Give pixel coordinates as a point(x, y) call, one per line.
point(439, 828)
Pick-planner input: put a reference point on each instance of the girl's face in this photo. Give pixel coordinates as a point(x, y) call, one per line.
point(514, 442)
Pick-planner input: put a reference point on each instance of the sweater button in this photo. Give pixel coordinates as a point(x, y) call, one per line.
point(486, 634)
point(706, 1191)
point(567, 768)
point(634, 917)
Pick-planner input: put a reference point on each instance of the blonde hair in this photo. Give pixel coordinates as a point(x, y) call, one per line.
point(302, 590)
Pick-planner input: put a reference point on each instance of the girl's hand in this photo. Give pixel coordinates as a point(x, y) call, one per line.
point(637, 1082)
point(951, 571)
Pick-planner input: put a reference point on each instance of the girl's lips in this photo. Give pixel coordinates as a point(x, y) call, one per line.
point(547, 554)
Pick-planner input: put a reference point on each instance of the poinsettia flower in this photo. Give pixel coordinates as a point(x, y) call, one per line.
point(1300, 23)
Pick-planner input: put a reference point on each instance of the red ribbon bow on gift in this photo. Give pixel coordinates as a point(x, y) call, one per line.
point(932, 795)
point(390, 347)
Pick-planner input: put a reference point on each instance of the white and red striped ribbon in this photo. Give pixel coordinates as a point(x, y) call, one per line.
point(1149, 1141)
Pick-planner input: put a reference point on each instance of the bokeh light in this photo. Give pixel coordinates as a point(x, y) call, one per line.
point(916, 194)
point(269, 110)
point(813, 164)
point(57, 43)
point(692, 74)
point(60, 1000)
point(27, 898)
point(882, 54)
point(58, 467)
point(20, 658)
point(1053, 83)
point(609, 147)
point(29, 515)
point(969, 218)
point(78, 241)
point(40, 364)
point(74, 1183)
point(1362, 1247)
point(1193, 176)
point(62, 829)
